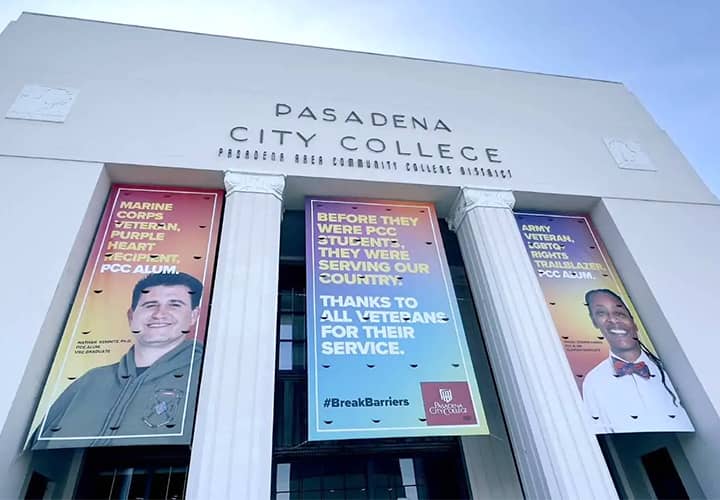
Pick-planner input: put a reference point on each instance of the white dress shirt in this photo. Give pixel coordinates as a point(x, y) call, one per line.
point(631, 403)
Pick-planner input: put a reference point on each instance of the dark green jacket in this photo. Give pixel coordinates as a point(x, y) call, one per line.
point(114, 406)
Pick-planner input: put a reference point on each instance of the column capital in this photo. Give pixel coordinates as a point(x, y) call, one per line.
point(470, 198)
point(253, 182)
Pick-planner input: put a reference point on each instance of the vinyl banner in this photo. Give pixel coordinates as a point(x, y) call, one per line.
point(127, 366)
point(387, 354)
point(624, 384)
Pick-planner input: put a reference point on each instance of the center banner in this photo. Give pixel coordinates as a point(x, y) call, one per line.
point(387, 354)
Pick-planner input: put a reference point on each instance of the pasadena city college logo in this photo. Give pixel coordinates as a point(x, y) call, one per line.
point(446, 395)
point(448, 403)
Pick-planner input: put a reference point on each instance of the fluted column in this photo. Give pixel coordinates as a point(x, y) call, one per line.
point(556, 452)
point(232, 443)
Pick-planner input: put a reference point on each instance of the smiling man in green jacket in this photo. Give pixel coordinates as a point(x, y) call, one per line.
point(149, 395)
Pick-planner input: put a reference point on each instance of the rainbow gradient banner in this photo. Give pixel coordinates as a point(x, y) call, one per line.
point(127, 367)
point(387, 354)
point(624, 384)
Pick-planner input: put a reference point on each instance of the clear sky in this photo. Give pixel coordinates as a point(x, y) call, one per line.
point(667, 52)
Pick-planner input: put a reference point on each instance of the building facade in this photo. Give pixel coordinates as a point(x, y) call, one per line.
point(90, 105)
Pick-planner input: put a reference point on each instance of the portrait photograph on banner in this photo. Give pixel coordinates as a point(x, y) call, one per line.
point(387, 352)
point(127, 367)
point(625, 385)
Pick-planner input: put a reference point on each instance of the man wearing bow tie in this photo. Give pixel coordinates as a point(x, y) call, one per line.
point(630, 391)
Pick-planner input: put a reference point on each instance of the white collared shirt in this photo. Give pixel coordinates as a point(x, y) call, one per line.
point(631, 403)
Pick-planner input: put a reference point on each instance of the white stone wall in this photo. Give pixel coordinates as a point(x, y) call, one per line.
point(49, 215)
point(667, 256)
point(158, 97)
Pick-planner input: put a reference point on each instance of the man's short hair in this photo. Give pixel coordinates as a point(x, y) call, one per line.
point(163, 279)
point(591, 293)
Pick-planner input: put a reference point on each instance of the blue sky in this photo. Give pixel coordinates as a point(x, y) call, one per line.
point(666, 52)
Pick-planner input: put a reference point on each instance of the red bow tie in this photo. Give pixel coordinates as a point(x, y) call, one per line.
point(625, 368)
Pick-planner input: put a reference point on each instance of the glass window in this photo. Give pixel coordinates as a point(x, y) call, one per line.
point(291, 331)
point(663, 475)
point(37, 487)
point(164, 483)
point(386, 476)
point(157, 473)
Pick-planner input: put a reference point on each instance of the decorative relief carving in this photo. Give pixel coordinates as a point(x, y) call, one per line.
point(38, 102)
point(628, 154)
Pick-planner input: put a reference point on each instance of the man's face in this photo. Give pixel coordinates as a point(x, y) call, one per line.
point(612, 318)
point(163, 315)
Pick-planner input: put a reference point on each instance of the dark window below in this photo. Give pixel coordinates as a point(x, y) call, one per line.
point(392, 476)
point(663, 475)
point(146, 473)
point(37, 487)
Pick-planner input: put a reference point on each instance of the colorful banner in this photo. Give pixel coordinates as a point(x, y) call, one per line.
point(127, 367)
point(387, 354)
point(624, 384)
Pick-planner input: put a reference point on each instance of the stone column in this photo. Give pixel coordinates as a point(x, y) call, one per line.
point(556, 452)
point(232, 444)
